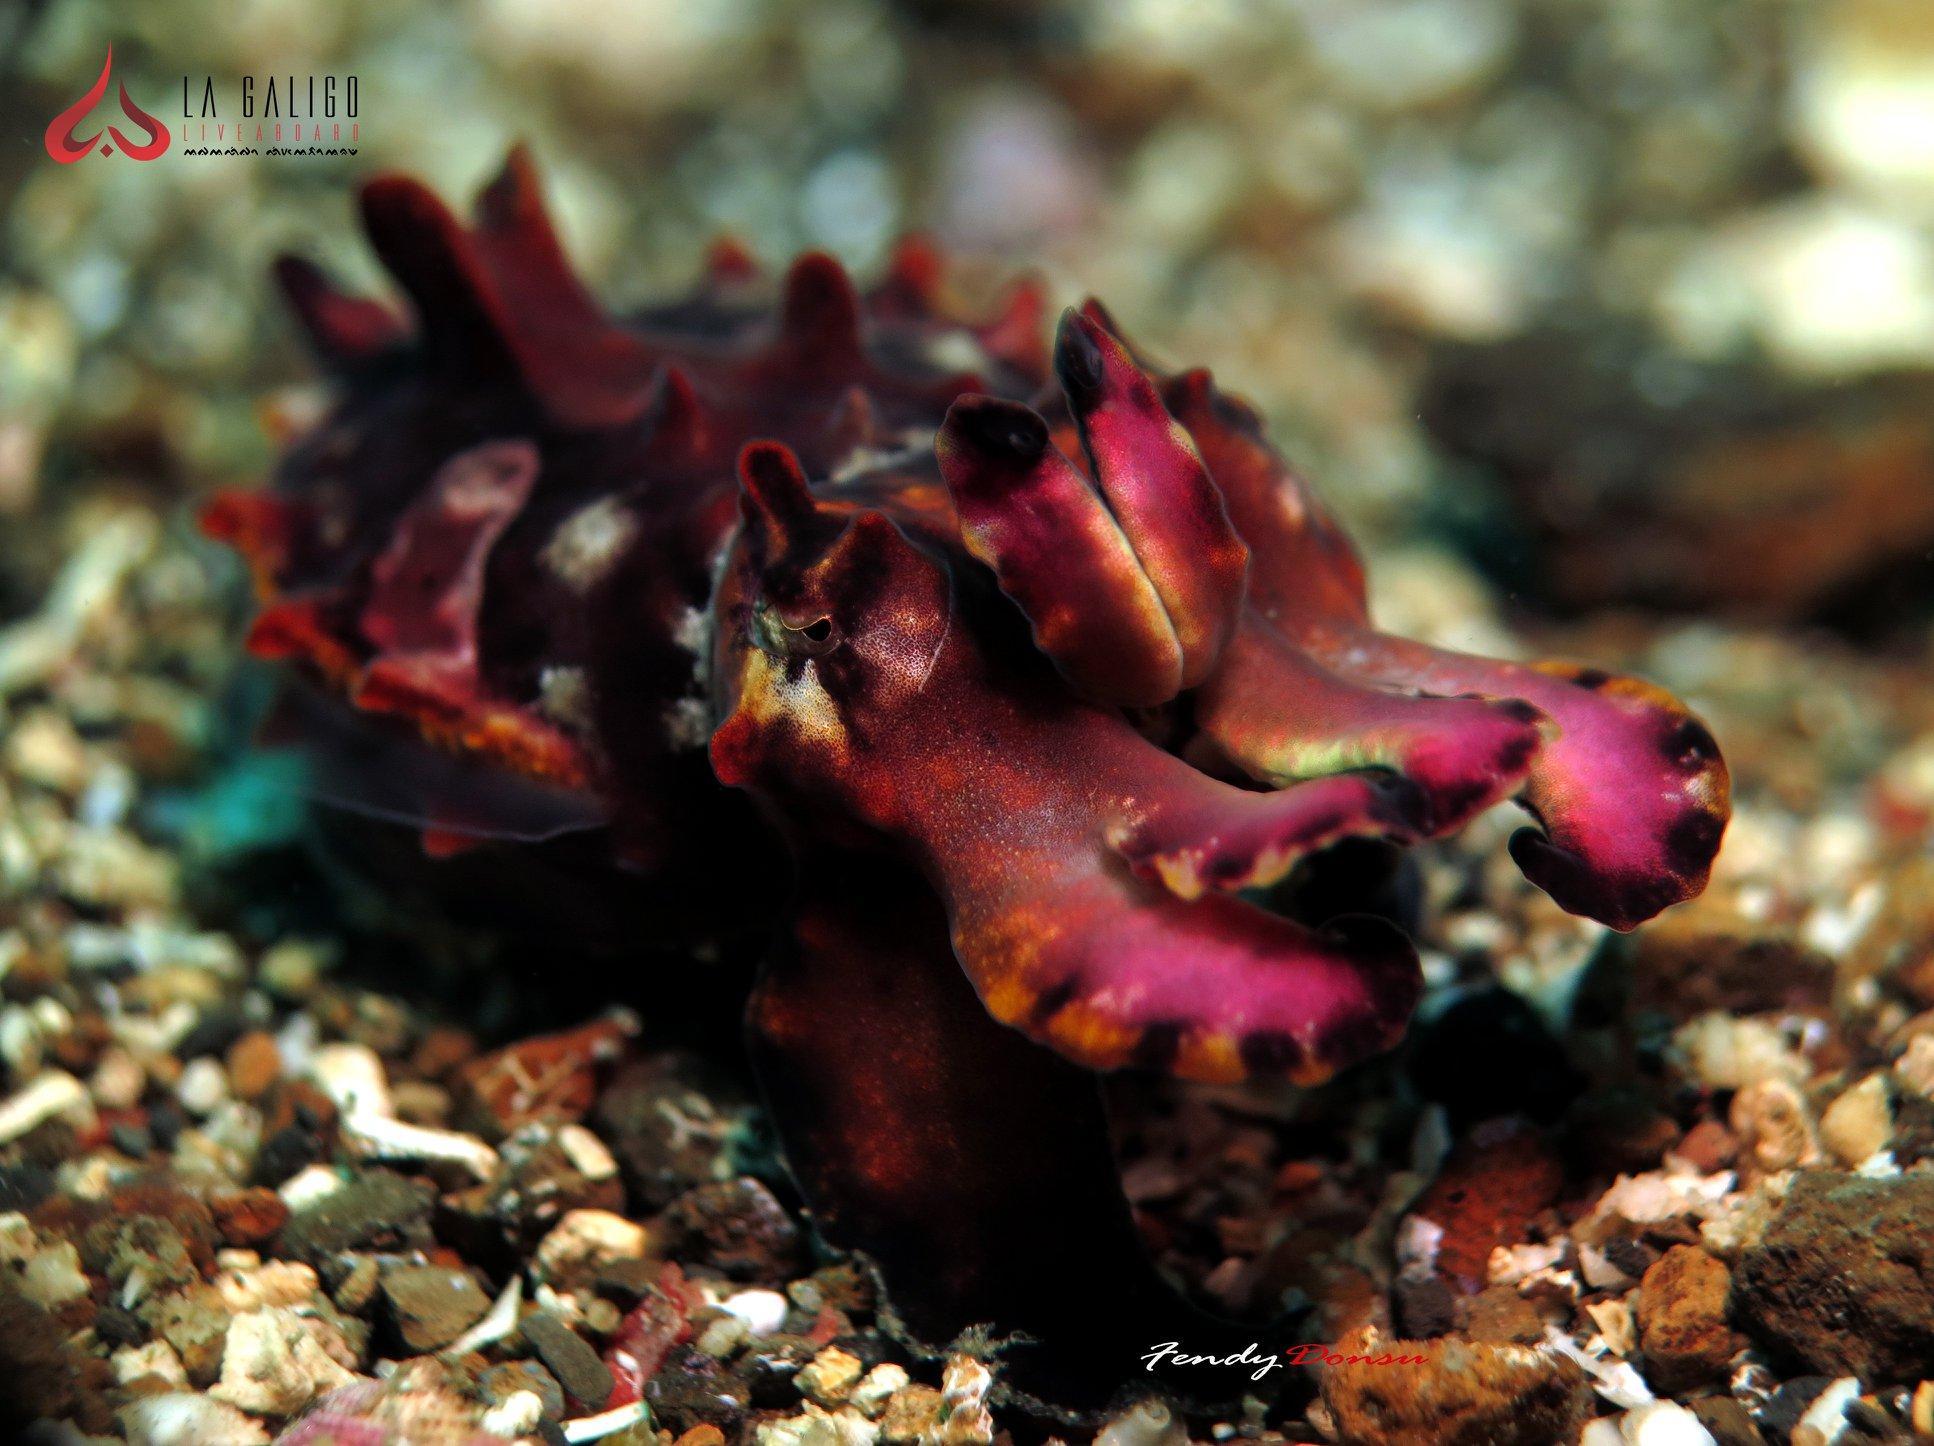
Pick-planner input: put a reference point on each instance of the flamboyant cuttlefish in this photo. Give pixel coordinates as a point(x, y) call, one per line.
point(1043, 664)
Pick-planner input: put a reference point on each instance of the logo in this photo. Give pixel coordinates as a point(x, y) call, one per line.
point(64, 146)
point(271, 115)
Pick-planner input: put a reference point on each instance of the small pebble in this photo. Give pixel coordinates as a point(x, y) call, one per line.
point(1663, 1423)
point(53, 1277)
point(353, 1077)
point(1825, 1420)
point(830, 1376)
point(1860, 1123)
point(118, 1080)
point(187, 1419)
point(1146, 1423)
point(431, 1306)
point(913, 1415)
point(254, 1063)
point(248, 1217)
point(292, 969)
point(585, 1378)
point(357, 1288)
point(134, 1141)
point(515, 1415)
point(722, 1337)
point(873, 1392)
point(586, 1152)
point(273, 1364)
point(52, 1093)
point(1915, 1068)
point(1774, 1126)
point(202, 1087)
point(1682, 1323)
point(522, 1377)
point(583, 1240)
point(156, 1359)
point(310, 1185)
point(380, 1137)
point(763, 1311)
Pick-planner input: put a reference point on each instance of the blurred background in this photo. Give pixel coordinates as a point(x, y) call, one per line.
point(1615, 305)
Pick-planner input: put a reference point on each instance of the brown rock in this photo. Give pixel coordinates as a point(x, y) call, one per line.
point(844, 1286)
point(356, 1290)
point(1843, 1281)
point(1500, 1315)
point(642, 1116)
point(254, 1063)
point(585, 1378)
point(298, 1104)
point(150, 1247)
point(746, 1233)
point(693, 1389)
point(1729, 1422)
point(1682, 1319)
point(98, 1227)
point(431, 1306)
point(248, 1217)
point(79, 1049)
point(1708, 1147)
point(1685, 969)
point(1492, 1185)
point(1462, 1394)
point(551, 1077)
point(298, 1129)
point(501, 1382)
point(625, 1282)
point(911, 1415)
point(195, 1323)
point(374, 1210)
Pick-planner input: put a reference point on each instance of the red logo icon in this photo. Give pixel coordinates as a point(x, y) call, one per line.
point(64, 146)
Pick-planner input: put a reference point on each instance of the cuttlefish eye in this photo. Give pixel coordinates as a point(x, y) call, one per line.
point(808, 636)
point(821, 635)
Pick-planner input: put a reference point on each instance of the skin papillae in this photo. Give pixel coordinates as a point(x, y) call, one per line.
point(1040, 659)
